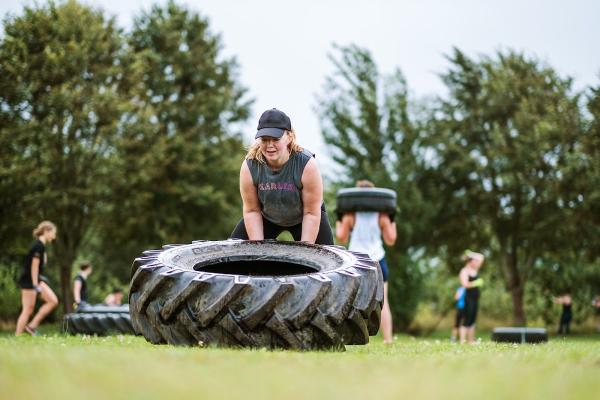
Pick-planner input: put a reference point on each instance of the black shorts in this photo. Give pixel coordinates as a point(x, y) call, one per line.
point(271, 230)
point(565, 318)
point(460, 316)
point(26, 283)
point(471, 307)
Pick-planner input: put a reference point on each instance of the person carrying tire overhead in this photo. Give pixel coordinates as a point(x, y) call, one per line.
point(80, 293)
point(365, 230)
point(33, 282)
point(281, 186)
point(470, 280)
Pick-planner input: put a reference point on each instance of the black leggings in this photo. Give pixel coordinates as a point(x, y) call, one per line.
point(271, 230)
point(460, 317)
point(470, 317)
point(565, 321)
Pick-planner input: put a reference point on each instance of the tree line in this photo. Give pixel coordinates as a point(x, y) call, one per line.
point(507, 162)
point(128, 140)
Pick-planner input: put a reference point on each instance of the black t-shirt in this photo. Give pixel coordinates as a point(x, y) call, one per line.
point(83, 293)
point(37, 250)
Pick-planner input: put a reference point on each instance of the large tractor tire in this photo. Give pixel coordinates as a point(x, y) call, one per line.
point(266, 294)
point(99, 320)
point(519, 335)
point(366, 199)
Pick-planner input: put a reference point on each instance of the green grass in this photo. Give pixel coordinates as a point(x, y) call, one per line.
point(127, 367)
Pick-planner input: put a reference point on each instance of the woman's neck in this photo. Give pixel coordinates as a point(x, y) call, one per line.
point(42, 239)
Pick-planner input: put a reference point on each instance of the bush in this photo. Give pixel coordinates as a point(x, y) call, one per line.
point(10, 293)
point(405, 289)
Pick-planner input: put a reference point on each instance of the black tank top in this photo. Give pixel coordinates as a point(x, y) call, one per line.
point(280, 192)
point(472, 294)
point(83, 293)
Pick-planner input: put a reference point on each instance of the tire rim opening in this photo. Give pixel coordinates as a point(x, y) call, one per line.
point(257, 268)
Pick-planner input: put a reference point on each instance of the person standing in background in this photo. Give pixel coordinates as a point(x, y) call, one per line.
point(470, 280)
point(566, 315)
point(80, 291)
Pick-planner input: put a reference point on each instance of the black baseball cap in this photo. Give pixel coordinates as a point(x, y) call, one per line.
point(273, 123)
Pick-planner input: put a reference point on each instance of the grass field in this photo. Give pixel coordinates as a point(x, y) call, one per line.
point(127, 367)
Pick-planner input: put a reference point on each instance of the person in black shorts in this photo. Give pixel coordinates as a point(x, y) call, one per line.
point(566, 315)
point(281, 186)
point(470, 280)
point(80, 292)
point(33, 282)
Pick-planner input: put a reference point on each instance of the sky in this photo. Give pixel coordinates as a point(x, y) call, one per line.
point(282, 46)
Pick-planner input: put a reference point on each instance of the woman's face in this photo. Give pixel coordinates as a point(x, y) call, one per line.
point(50, 235)
point(475, 263)
point(275, 150)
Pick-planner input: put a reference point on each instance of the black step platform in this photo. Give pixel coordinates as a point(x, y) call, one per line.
point(520, 335)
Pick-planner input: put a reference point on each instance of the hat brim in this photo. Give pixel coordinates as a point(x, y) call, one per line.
point(271, 132)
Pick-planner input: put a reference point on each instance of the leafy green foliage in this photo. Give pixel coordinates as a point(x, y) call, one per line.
point(10, 296)
point(60, 109)
point(178, 157)
point(366, 122)
point(125, 141)
point(502, 163)
point(503, 147)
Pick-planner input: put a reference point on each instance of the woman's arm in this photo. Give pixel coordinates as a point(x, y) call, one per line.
point(388, 229)
point(463, 276)
point(457, 295)
point(77, 291)
point(344, 227)
point(35, 271)
point(251, 206)
point(312, 198)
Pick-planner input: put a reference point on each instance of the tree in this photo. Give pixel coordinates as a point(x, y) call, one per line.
point(501, 146)
point(589, 179)
point(59, 111)
point(366, 121)
point(177, 152)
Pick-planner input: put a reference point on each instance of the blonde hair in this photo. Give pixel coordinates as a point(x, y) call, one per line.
point(254, 152)
point(469, 255)
point(42, 228)
point(364, 184)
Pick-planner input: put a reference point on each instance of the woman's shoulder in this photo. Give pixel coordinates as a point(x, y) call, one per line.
point(253, 164)
point(302, 158)
point(305, 154)
point(37, 245)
